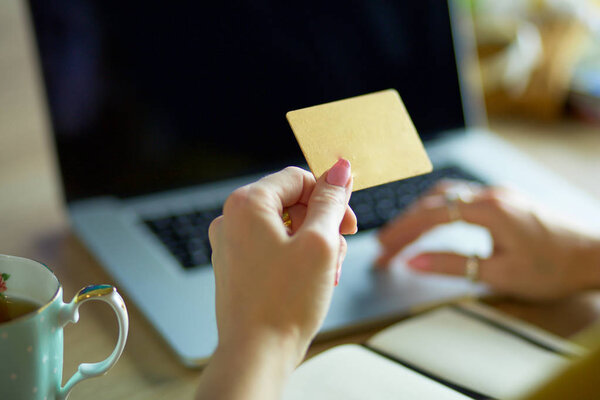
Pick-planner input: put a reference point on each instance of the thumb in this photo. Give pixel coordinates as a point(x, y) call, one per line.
point(329, 199)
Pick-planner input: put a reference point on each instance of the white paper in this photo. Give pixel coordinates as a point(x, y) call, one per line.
point(469, 352)
point(351, 372)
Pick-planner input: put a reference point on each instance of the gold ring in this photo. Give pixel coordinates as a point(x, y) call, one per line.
point(472, 268)
point(287, 221)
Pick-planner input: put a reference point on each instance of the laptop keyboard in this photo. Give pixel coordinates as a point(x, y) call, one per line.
point(186, 235)
point(375, 206)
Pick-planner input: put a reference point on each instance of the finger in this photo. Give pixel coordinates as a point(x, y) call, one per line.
point(293, 186)
point(349, 225)
point(405, 228)
point(287, 187)
point(450, 264)
point(273, 192)
point(426, 214)
point(329, 200)
point(261, 203)
point(441, 187)
point(213, 229)
point(448, 184)
point(297, 213)
point(341, 257)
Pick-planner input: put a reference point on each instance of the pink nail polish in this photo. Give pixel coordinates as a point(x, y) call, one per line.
point(421, 262)
point(340, 173)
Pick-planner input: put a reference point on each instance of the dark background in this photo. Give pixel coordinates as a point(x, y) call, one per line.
point(152, 95)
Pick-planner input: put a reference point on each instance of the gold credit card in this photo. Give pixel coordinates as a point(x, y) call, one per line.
point(373, 131)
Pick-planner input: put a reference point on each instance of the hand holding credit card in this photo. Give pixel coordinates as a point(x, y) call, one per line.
point(373, 131)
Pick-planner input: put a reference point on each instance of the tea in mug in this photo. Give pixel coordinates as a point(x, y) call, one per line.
point(13, 307)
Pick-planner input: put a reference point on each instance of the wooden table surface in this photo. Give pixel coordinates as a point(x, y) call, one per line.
point(33, 224)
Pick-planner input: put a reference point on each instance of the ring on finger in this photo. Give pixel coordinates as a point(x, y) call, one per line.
point(287, 221)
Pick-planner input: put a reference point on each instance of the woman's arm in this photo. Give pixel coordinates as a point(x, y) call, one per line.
point(253, 368)
point(536, 254)
point(274, 283)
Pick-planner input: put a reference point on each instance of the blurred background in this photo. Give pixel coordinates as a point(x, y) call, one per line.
point(540, 59)
point(540, 66)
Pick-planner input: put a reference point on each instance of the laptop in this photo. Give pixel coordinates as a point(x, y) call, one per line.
point(159, 112)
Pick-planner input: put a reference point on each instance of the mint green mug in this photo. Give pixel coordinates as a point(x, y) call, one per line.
point(31, 346)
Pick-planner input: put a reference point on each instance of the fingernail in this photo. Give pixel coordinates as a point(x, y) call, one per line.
point(340, 173)
point(338, 273)
point(421, 262)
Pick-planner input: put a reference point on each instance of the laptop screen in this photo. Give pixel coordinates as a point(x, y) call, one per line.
point(146, 96)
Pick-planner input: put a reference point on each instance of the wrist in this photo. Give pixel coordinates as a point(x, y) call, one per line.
point(272, 349)
point(249, 367)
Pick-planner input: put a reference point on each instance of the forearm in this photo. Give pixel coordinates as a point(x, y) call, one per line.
point(249, 371)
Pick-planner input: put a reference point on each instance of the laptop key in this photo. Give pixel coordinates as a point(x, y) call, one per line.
point(186, 235)
point(375, 206)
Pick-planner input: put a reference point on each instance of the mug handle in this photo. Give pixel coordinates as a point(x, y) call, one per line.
point(70, 313)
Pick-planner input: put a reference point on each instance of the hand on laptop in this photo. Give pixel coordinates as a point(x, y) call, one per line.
point(536, 255)
point(274, 283)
